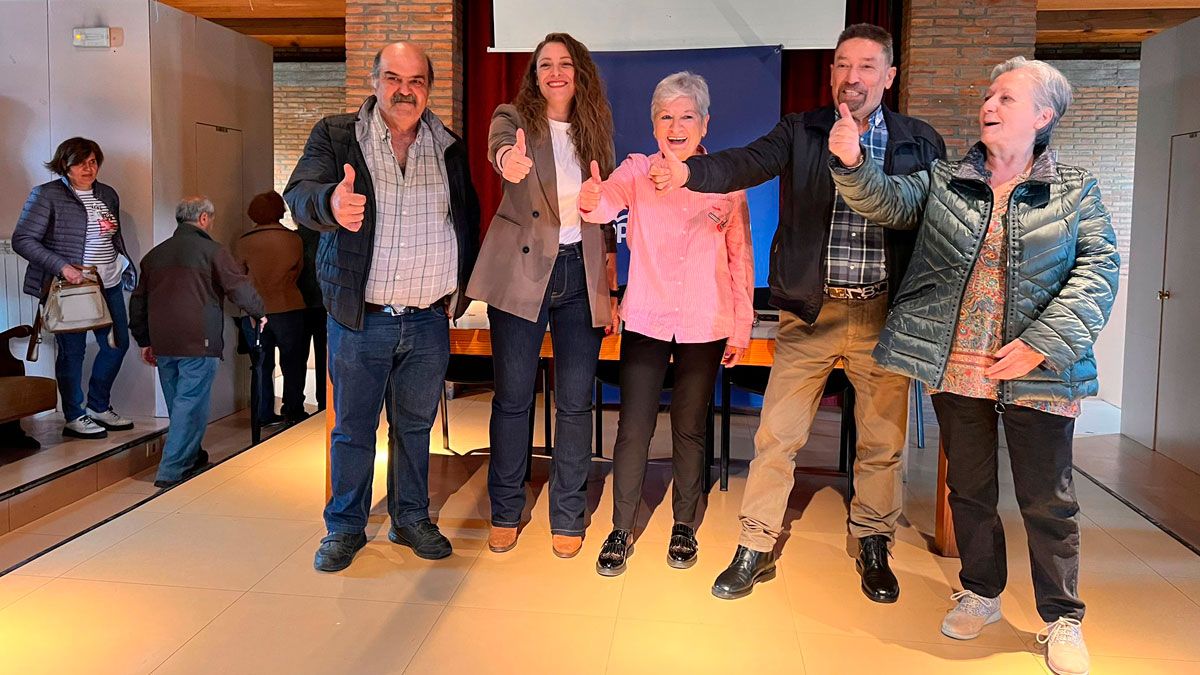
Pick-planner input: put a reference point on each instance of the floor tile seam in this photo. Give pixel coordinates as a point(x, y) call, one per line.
point(193, 636)
point(421, 645)
point(62, 574)
point(227, 516)
point(285, 558)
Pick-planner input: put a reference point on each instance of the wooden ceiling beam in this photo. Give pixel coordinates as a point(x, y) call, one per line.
point(266, 27)
point(261, 9)
point(1097, 26)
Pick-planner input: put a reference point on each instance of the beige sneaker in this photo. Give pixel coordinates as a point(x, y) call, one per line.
point(1065, 652)
point(972, 613)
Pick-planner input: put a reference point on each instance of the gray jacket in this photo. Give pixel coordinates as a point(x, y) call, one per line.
point(1062, 267)
point(52, 232)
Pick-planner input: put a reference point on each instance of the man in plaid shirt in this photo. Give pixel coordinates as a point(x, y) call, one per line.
point(832, 274)
point(389, 189)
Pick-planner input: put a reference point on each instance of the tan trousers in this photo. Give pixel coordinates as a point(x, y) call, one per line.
point(804, 356)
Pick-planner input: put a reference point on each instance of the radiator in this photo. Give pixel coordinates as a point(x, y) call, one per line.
point(18, 308)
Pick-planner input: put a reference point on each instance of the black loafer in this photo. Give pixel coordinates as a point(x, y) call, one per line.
point(748, 568)
point(337, 551)
point(878, 582)
point(424, 538)
point(681, 553)
point(614, 553)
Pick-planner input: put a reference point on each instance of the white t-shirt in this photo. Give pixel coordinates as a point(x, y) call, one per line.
point(98, 248)
point(569, 179)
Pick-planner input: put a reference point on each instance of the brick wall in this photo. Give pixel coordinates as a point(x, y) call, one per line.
point(436, 25)
point(1099, 131)
point(948, 51)
point(304, 93)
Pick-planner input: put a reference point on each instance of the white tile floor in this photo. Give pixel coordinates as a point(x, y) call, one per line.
point(215, 577)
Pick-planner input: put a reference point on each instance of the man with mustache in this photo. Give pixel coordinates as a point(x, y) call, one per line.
point(389, 189)
point(832, 273)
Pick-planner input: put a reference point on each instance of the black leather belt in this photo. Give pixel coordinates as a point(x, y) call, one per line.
point(874, 290)
point(392, 310)
point(573, 247)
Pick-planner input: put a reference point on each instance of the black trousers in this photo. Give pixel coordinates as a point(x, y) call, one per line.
point(644, 363)
point(1039, 447)
point(285, 332)
point(315, 330)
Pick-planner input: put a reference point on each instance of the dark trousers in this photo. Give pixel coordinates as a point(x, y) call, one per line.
point(516, 344)
point(285, 332)
point(1039, 448)
point(644, 363)
point(398, 362)
point(72, 348)
point(316, 331)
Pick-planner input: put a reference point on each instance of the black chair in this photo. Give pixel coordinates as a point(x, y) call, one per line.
point(478, 371)
point(754, 380)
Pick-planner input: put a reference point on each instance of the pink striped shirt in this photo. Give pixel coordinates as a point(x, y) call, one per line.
point(689, 279)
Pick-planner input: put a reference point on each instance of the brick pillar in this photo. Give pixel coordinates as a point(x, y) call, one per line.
point(436, 25)
point(949, 50)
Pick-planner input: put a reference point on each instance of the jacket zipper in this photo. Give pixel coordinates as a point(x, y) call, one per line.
point(1004, 390)
point(962, 291)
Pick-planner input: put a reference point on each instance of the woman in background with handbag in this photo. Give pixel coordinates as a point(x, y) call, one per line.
point(67, 224)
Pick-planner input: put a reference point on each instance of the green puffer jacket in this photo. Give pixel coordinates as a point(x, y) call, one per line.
point(1062, 267)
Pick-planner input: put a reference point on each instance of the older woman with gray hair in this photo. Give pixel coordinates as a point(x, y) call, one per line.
point(1014, 275)
point(688, 300)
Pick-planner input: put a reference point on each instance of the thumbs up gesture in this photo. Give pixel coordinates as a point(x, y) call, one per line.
point(347, 206)
point(589, 192)
point(844, 140)
point(668, 172)
point(517, 162)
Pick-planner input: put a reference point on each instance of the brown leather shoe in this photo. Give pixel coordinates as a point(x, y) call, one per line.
point(566, 546)
point(501, 539)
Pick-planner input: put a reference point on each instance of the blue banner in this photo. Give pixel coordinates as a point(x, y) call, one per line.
point(744, 84)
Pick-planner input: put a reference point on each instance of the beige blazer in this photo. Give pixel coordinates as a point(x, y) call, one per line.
point(521, 244)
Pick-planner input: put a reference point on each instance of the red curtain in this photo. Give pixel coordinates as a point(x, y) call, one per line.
point(492, 79)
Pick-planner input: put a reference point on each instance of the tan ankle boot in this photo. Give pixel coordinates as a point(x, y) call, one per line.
point(566, 546)
point(501, 539)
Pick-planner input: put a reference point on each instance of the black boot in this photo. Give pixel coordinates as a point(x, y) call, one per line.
point(681, 553)
point(748, 568)
point(878, 582)
point(614, 552)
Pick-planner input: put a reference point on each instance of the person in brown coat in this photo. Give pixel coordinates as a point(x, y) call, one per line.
point(275, 256)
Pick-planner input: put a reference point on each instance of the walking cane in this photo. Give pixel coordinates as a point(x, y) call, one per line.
point(256, 360)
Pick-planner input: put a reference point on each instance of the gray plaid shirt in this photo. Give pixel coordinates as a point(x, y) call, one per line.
point(856, 254)
point(415, 260)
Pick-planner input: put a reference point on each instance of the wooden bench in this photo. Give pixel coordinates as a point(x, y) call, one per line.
point(20, 395)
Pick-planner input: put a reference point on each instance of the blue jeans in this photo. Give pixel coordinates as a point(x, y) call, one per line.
point(399, 361)
point(68, 364)
point(187, 386)
point(516, 343)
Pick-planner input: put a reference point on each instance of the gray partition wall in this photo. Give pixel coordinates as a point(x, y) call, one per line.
point(1162, 367)
point(149, 103)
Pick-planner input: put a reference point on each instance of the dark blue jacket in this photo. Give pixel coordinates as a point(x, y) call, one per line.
point(344, 257)
point(52, 231)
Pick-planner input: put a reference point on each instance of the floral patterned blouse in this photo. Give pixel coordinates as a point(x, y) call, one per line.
point(980, 330)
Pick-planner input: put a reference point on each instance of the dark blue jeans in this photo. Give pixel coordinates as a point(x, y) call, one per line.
point(187, 387)
point(68, 364)
point(516, 343)
point(285, 331)
point(400, 362)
